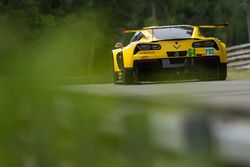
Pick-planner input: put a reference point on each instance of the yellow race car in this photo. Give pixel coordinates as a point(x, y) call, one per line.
point(170, 52)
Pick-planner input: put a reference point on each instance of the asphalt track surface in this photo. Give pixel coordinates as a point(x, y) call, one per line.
point(220, 98)
point(227, 93)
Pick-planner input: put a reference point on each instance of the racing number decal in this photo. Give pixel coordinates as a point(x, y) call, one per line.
point(209, 51)
point(192, 52)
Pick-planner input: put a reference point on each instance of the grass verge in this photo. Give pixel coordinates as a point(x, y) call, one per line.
point(238, 74)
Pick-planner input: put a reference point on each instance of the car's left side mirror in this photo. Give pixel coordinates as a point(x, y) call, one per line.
point(119, 45)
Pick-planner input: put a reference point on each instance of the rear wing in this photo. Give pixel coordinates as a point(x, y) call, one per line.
point(214, 26)
point(125, 31)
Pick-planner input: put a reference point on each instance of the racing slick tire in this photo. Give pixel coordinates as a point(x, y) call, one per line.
point(127, 76)
point(115, 75)
point(219, 74)
point(206, 76)
point(222, 72)
point(115, 78)
point(212, 70)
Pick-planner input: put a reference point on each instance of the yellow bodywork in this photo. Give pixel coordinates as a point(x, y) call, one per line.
point(166, 46)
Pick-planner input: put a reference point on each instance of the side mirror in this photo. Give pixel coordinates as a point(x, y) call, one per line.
point(119, 45)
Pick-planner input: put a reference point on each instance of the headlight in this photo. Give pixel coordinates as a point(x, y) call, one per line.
point(205, 44)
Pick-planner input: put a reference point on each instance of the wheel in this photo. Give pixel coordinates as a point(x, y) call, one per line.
point(115, 77)
point(219, 74)
point(222, 72)
point(206, 75)
point(212, 70)
point(127, 76)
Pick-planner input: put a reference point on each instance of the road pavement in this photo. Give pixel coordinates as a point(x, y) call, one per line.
point(227, 93)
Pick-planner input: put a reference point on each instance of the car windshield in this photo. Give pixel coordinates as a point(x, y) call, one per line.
point(173, 33)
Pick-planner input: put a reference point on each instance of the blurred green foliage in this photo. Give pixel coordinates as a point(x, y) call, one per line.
point(75, 37)
point(57, 127)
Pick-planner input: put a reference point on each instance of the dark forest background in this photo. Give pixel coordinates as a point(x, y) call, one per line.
point(75, 37)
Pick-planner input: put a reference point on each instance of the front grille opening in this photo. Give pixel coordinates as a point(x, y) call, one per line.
point(177, 61)
point(177, 54)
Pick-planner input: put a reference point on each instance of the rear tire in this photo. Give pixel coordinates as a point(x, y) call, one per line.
point(212, 70)
point(222, 72)
point(207, 74)
point(115, 77)
point(127, 76)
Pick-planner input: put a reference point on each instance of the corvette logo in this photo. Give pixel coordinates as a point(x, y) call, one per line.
point(176, 45)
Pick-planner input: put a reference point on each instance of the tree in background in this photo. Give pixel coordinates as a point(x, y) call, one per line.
point(23, 23)
point(246, 7)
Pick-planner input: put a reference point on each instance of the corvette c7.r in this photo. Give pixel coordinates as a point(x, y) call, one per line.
point(170, 52)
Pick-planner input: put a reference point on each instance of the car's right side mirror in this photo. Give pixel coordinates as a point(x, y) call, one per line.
point(119, 45)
